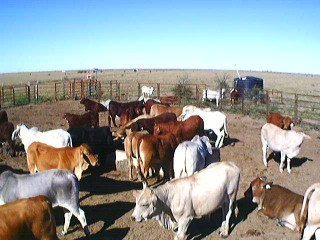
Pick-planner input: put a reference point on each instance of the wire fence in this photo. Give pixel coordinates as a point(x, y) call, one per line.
point(304, 109)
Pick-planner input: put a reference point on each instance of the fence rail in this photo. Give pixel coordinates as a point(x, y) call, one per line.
point(302, 107)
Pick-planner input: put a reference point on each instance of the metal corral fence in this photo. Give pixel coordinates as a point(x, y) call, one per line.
point(303, 108)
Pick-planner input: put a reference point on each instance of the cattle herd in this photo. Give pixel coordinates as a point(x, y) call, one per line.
point(180, 146)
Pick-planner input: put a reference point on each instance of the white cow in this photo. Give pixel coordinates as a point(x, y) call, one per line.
point(211, 95)
point(56, 138)
point(213, 121)
point(192, 156)
point(287, 142)
point(175, 203)
point(146, 91)
point(313, 221)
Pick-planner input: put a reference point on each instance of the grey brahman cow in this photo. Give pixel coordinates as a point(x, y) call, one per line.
point(178, 201)
point(60, 186)
point(192, 156)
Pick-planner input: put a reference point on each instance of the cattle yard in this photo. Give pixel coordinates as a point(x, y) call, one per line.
point(106, 196)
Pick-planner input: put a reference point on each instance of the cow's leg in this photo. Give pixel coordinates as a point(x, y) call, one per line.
point(309, 231)
point(288, 164)
point(225, 231)
point(282, 159)
point(67, 218)
point(79, 214)
point(113, 116)
point(183, 225)
point(225, 211)
point(264, 151)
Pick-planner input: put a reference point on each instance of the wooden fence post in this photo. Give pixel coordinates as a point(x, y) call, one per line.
point(13, 97)
point(295, 110)
point(99, 91)
point(118, 91)
point(55, 91)
point(281, 97)
point(267, 103)
point(81, 89)
point(28, 93)
point(110, 88)
point(158, 90)
point(139, 90)
point(1, 98)
point(242, 103)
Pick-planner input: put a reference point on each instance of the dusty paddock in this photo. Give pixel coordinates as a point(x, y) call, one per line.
point(106, 196)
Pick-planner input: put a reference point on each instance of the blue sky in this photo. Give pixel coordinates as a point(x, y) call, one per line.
point(270, 35)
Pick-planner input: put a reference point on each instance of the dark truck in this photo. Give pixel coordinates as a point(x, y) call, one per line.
point(250, 87)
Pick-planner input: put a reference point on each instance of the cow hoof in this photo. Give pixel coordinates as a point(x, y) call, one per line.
point(87, 231)
point(63, 232)
point(224, 235)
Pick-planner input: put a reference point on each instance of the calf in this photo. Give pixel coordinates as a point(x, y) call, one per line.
point(287, 142)
point(27, 219)
point(88, 119)
point(282, 122)
point(178, 201)
point(60, 186)
point(90, 105)
point(156, 152)
point(151, 102)
point(313, 221)
point(129, 114)
point(157, 109)
point(278, 202)
point(42, 157)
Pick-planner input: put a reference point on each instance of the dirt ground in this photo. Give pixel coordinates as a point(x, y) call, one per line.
point(106, 196)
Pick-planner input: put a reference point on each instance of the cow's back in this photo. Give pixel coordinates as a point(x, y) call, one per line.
point(207, 188)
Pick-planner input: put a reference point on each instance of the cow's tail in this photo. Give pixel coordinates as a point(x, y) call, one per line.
point(306, 196)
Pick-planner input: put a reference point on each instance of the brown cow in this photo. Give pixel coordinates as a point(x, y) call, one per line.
point(156, 152)
point(130, 114)
point(184, 130)
point(158, 109)
point(277, 202)
point(90, 105)
point(88, 119)
point(151, 102)
point(42, 157)
point(27, 219)
point(3, 116)
point(148, 123)
point(6, 130)
point(130, 147)
point(282, 122)
point(169, 99)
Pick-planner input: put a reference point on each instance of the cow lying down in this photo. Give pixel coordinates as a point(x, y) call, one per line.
point(278, 202)
point(27, 219)
point(60, 186)
point(178, 201)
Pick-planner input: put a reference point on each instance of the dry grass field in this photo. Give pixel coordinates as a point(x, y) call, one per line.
point(287, 82)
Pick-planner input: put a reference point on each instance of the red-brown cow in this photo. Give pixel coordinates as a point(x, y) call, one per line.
point(278, 202)
point(27, 219)
point(6, 130)
point(130, 114)
point(156, 152)
point(151, 102)
point(158, 109)
point(90, 105)
point(88, 119)
point(184, 130)
point(282, 122)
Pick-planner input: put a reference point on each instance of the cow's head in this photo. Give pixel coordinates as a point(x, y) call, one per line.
point(257, 189)
point(87, 155)
point(146, 205)
point(287, 123)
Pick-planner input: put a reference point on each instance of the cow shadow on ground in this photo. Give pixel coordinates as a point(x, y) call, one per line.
point(203, 227)
point(295, 162)
point(230, 141)
point(102, 185)
point(107, 214)
point(4, 167)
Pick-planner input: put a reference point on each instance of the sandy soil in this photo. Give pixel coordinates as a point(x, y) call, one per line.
point(106, 196)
